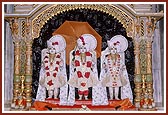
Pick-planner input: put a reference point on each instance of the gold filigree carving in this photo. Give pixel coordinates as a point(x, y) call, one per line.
point(137, 57)
point(14, 28)
point(143, 56)
point(28, 91)
point(149, 59)
point(23, 28)
point(17, 58)
point(143, 82)
point(137, 91)
point(120, 15)
point(22, 57)
point(16, 84)
point(17, 50)
point(27, 30)
point(22, 93)
point(137, 79)
point(137, 30)
point(149, 27)
point(28, 42)
point(142, 28)
point(28, 63)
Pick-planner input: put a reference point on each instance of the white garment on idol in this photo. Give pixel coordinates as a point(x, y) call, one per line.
point(41, 92)
point(126, 91)
point(71, 95)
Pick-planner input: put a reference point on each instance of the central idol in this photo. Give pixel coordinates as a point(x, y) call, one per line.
point(83, 66)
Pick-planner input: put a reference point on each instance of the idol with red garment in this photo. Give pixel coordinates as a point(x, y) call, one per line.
point(83, 72)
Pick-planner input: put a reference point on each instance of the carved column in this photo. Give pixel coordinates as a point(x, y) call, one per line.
point(147, 101)
point(137, 79)
point(28, 68)
point(16, 81)
point(150, 26)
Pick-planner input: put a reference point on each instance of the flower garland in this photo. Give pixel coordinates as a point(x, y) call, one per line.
point(51, 70)
point(83, 70)
point(114, 68)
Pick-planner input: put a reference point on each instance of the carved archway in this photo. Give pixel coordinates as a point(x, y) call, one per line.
point(121, 16)
point(106, 25)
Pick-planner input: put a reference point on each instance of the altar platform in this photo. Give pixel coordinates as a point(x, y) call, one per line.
point(53, 104)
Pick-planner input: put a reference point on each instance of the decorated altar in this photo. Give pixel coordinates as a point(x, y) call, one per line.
point(83, 57)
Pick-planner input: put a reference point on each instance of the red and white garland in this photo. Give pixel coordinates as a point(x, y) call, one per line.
point(83, 70)
point(114, 68)
point(51, 70)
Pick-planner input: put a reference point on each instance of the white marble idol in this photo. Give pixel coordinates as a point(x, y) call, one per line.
point(113, 70)
point(53, 71)
point(83, 67)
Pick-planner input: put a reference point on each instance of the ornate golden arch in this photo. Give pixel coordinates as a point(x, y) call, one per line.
point(121, 16)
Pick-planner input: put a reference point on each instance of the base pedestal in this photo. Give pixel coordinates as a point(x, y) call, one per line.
point(152, 109)
point(85, 105)
point(19, 109)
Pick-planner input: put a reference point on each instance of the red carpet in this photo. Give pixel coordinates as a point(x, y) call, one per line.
point(113, 105)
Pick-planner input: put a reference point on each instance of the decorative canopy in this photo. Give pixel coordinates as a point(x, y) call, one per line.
point(72, 30)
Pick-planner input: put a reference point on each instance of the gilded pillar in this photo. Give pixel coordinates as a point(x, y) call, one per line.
point(16, 80)
point(150, 26)
point(147, 101)
point(137, 79)
point(28, 66)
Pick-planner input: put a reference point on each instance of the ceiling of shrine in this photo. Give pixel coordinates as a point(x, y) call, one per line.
point(29, 9)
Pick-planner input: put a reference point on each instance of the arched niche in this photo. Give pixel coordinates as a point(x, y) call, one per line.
point(105, 24)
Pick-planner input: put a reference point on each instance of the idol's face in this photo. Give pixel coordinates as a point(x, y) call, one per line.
point(113, 50)
point(52, 50)
point(82, 49)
